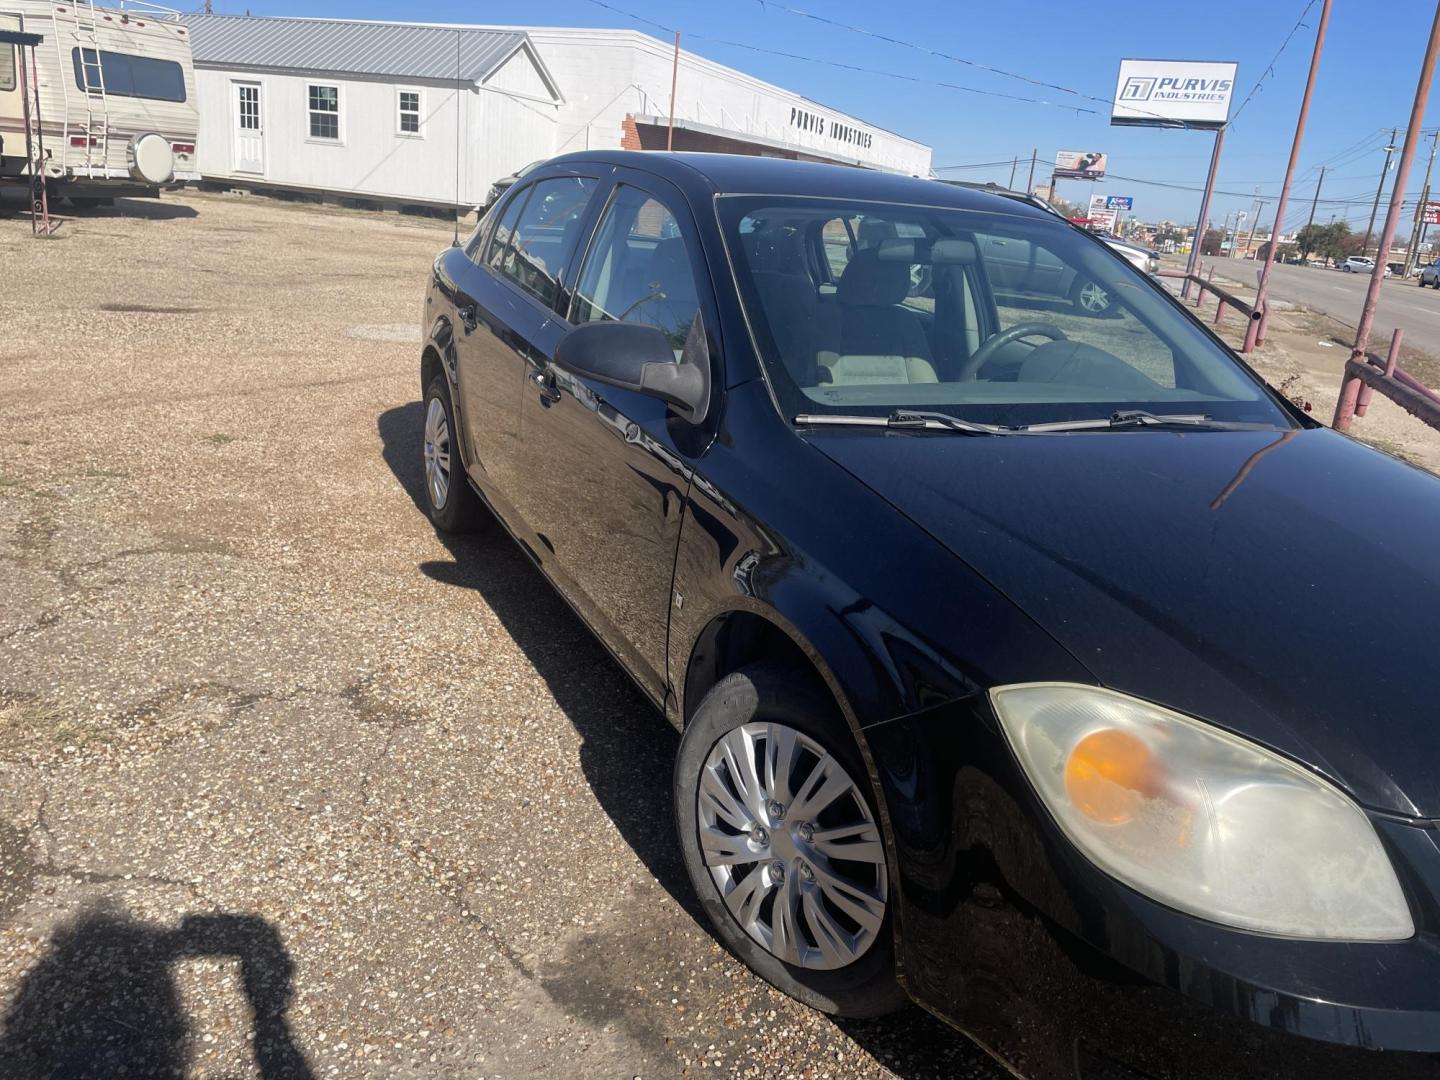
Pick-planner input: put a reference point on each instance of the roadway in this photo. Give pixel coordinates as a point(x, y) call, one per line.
point(1341, 295)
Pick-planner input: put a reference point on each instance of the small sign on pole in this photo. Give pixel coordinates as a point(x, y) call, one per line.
point(1119, 202)
point(1432, 213)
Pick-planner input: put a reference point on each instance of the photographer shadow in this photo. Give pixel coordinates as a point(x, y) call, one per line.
point(103, 1002)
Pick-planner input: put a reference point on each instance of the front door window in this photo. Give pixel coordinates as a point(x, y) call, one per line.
point(639, 270)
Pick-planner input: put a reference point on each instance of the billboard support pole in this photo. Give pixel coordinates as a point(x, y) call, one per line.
point(1204, 212)
point(1255, 332)
point(1397, 194)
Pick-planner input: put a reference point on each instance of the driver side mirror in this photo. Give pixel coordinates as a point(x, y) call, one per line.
point(634, 356)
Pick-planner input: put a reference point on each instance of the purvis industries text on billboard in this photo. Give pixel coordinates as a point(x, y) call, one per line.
point(1173, 93)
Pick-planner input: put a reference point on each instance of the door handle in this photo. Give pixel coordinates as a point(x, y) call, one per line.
point(466, 315)
point(549, 392)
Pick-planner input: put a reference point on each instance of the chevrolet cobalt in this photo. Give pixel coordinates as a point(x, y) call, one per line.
point(1034, 660)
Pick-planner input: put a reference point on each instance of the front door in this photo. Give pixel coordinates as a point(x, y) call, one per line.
point(249, 129)
point(605, 471)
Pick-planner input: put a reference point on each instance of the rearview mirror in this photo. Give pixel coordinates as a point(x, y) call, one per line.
point(637, 357)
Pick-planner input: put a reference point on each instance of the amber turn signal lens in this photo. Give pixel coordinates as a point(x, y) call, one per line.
point(1107, 774)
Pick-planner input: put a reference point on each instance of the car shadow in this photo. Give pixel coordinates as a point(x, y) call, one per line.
point(103, 1001)
point(626, 743)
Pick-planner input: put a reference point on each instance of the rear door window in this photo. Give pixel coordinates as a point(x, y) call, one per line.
point(537, 234)
point(543, 235)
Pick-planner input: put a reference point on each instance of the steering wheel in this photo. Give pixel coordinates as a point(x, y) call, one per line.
point(985, 352)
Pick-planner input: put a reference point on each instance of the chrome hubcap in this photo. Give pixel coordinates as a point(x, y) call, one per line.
point(437, 454)
point(1093, 297)
point(792, 846)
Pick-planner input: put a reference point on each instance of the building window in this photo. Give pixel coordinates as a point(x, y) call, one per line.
point(125, 75)
point(409, 116)
point(7, 67)
point(324, 112)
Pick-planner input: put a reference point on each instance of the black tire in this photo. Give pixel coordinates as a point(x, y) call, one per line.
point(865, 988)
point(461, 511)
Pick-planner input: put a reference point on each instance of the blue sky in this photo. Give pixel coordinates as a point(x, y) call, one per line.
point(1367, 80)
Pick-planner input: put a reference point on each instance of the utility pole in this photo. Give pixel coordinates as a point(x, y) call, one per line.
point(1255, 332)
point(1392, 216)
point(674, 77)
point(1315, 201)
point(1014, 162)
point(1256, 208)
point(1030, 184)
point(1412, 254)
point(1389, 149)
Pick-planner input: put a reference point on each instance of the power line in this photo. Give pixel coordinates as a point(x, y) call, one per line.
point(838, 64)
point(1269, 70)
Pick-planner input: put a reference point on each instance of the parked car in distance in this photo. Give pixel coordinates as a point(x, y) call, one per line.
point(499, 187)
point(1137, 255)
point(1001, 635)
point(1361, 264)
point(1430, 275)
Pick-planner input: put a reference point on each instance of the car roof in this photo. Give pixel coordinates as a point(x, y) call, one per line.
point(737, 174)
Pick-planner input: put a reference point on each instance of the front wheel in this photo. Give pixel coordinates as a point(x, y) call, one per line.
point(781, 840)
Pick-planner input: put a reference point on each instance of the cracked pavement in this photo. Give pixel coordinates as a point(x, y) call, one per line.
point(291, 786)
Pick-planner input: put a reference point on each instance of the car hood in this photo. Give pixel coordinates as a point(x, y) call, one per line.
point(1284, 586)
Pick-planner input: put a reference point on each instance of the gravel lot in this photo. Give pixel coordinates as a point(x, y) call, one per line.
point(290, 785)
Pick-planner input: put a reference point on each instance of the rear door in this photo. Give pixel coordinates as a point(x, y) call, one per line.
point(603, 473)
point(505, 311)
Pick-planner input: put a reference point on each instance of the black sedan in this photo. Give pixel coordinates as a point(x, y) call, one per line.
point(1040, 665)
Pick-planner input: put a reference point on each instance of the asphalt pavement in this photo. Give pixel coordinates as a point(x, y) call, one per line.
point(1340, 295)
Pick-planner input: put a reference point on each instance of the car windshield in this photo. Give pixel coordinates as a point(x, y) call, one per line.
point(1001, 318)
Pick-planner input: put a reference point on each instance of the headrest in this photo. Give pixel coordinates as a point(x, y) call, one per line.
point(943, 251)
point(869, 282)
point(669, 258)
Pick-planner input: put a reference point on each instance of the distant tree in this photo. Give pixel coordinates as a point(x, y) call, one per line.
point(1211, 244)
point(1310, 238)
point(1332, 241)
point(1169, 234)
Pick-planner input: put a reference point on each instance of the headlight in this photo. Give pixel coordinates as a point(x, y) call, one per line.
point(1202, 820)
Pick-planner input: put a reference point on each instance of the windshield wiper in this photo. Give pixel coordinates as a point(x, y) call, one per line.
point(1132, 418)
point(904, 420)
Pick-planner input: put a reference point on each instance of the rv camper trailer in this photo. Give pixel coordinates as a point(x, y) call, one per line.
point(116, 98)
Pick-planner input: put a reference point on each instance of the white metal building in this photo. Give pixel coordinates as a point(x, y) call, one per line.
point(377, 110)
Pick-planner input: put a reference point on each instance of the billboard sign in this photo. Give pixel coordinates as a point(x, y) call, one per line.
point(1103, 220)
point(1119, 202)
point(1173, 93)
point(1075, 165)
point(1432, 213)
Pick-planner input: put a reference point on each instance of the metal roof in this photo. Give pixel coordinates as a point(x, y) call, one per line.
point(360, 48)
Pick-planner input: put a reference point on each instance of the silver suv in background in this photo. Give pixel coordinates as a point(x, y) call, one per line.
point(1430, 275)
